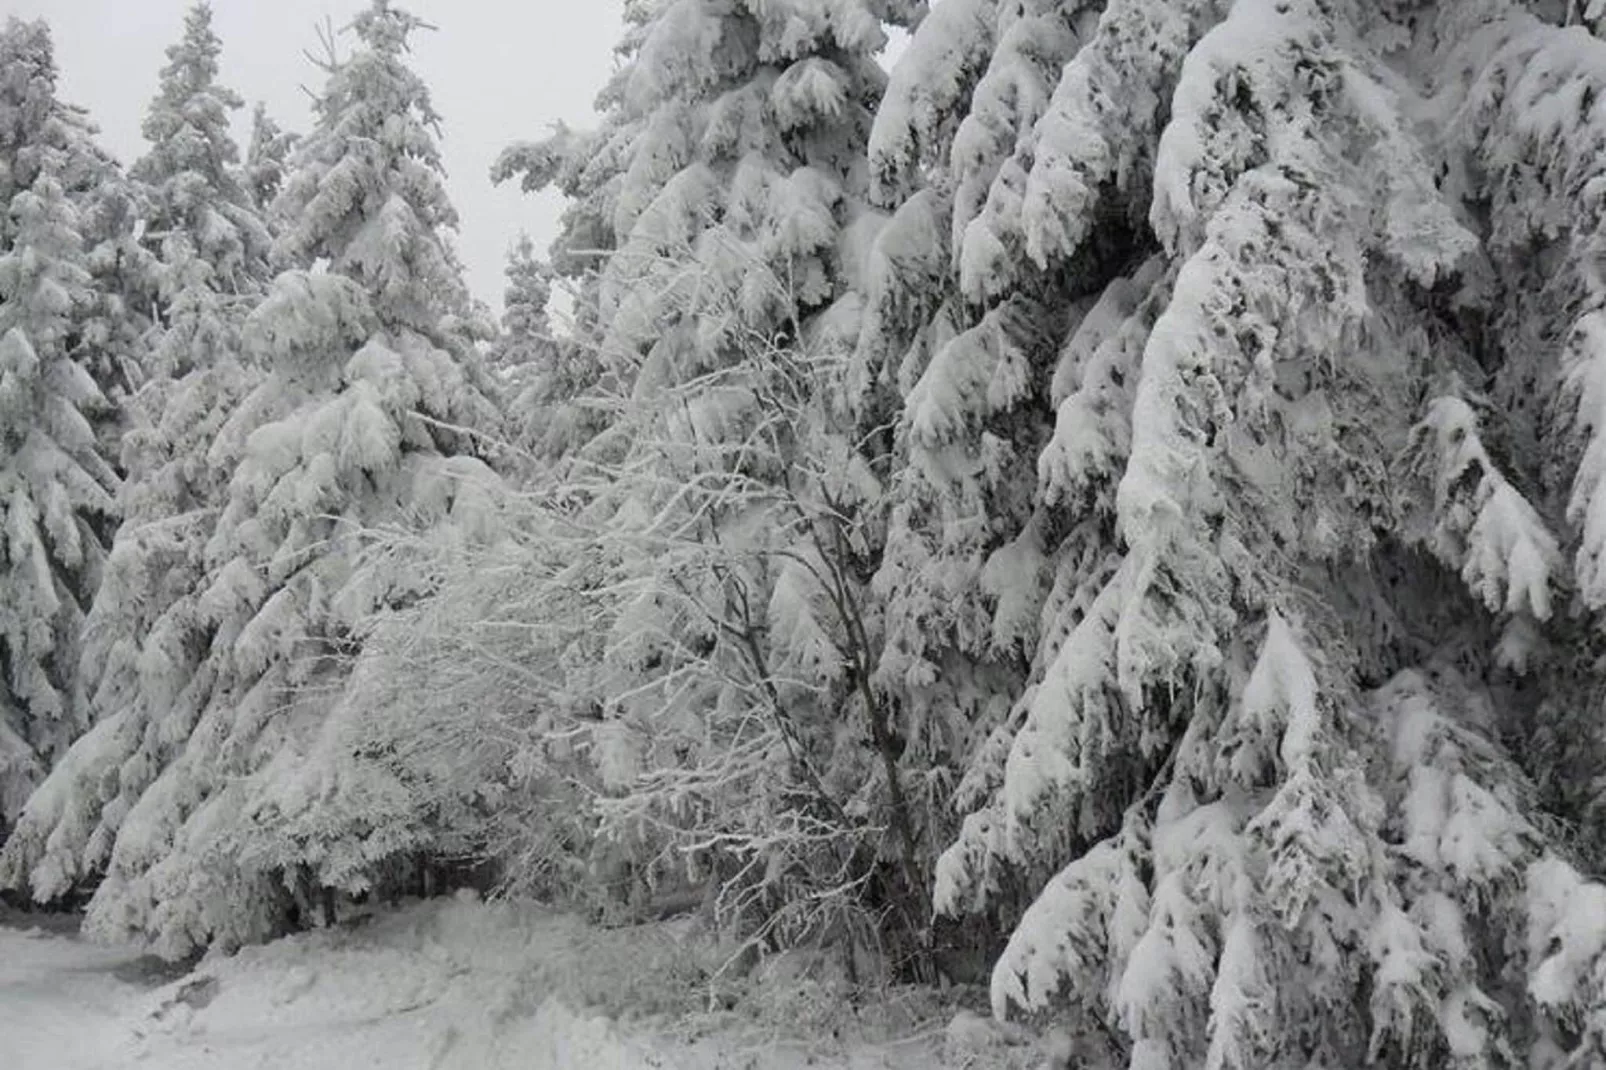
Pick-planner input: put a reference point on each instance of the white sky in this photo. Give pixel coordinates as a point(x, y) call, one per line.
point(500, 71)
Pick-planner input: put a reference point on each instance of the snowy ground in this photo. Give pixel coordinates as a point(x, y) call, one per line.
point(457, 986)
point(63, 1002)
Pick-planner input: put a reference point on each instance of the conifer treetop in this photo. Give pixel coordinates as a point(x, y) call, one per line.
point(529, 289)
point(187, 123)
point(38, 131)
point(367, 193)
point(201, 217)
point(265, 156)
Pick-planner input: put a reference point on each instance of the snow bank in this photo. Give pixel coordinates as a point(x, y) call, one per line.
point(469, 986)
point(448, 986)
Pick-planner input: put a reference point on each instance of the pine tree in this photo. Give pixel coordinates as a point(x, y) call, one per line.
point(363, 420)
point(56, 488)
point(144, 633)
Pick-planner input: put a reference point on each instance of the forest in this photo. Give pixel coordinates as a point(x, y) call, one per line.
point(1109, 504)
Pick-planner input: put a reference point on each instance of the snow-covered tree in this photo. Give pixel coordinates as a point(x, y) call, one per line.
point(121, 323)
point(110, 327)
point(364, 419)
point(1286, 584)
point(544, 375)
point(144, 634)
point(266, 156)
point(965, 352)
point(200, 218)
point(56, 488)
point(721, 213)
point(526, 328)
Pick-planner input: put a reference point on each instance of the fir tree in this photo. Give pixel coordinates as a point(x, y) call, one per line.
point(732, 511)
point(1296, 544)
point(544, 376)
point(198, 210)
point(110, 332)
point(526, 330)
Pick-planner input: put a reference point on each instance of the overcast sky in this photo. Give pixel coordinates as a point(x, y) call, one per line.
point(500, 70)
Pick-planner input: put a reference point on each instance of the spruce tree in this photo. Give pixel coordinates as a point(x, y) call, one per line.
point(526, 330)
point(364, 419)
point(1269, 294)
point(57, 489)
point(144, 634)
point(543, 376)
point(267, 153)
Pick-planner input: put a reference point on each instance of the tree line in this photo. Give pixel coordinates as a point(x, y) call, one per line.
point(1116, 488)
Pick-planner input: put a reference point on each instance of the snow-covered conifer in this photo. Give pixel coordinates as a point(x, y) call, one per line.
point(364, 419)
point(543, 374)
point(526, 328)
point(110, 326)
point(1298, 529)
point(966, 351)
point(144, 635)
point(56, 488)
point(727, 196)
point(266, 156)
point(198, 207)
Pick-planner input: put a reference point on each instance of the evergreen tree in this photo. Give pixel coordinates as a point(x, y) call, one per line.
point(526, 330)
point(120, 325)
point(729, 509)
point(360, 422)
point(200, 219)
point(145, 634)
point(110, 328)
point(56, 488)
point(1254, 284)
point(1179, 420)
point(266, 156)
point(543, 376)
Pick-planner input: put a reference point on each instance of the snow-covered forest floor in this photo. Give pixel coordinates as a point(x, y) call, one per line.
point(464, 985)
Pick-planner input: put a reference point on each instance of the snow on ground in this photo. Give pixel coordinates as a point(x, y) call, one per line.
point(463, 986)
point(63, 1000)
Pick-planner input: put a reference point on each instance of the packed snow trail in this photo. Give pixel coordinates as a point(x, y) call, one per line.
point(455, 986)
point(62, 1001)
point(400, 1000)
